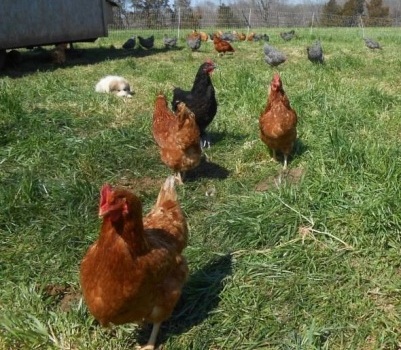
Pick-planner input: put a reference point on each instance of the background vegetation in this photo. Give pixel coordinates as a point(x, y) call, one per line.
point(311, 262)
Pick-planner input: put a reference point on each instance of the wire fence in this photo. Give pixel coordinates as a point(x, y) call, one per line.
point(237, 17)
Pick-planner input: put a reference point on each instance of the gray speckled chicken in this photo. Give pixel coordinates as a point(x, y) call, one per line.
point(169, 43)
point(194, 42)
point(372, 44)
point(273, 57)
point(315, 52)
point(287, 36)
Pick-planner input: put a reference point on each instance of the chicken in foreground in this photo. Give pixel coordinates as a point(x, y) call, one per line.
point(135, 271)
point(177, 136)
point(147, 43)
point(372, 44)
point(273, 57)
point(222, 46)
point(315, 52)
point(278, 122)
point(201, 99)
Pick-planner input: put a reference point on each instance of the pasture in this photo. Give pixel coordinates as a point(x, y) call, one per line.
point(311, 262)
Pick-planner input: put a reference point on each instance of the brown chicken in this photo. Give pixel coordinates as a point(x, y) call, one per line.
point(242, 36)
point(278, 121)
point(204, 36)
point(177, 136)
point(250, 36)
point(222, 46)
point(58, 54)
point(135, 271)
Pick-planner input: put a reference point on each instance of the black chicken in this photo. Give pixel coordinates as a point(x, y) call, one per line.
point(201, 99)
point(315, 52)
point(146, 43)
point(130, 43)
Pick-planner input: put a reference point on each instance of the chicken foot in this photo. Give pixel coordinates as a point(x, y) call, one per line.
point(178, 177)
point(205, 141)
point(152, 339)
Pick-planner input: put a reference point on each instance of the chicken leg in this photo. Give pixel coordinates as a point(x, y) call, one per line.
point(152, 339)
point(178, 177)
point(285, 161)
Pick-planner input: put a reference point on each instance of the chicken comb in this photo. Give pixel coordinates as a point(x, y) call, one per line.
point(276, 77)
point(104, 195)
point(209, 61)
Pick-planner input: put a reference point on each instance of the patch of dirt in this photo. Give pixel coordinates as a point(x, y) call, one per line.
point(288, 176)
point(63, 295)
point(143, 184)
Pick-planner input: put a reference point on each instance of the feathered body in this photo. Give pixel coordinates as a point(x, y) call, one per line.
point(204, 36)
point(177, 136)
point(147, 43)
point(278, 122)
point(251, 36)
point(315, 52)
point(287, 36)
point(242, 36)
point(169, 43)
point(372, 44)
point(273, 57)
point(201, 99)
point(259, 37)
point(130, 43)
point(222, 46)
point(194, 41)
point(135, 271)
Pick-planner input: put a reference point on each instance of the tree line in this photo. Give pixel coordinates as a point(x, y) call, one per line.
point(372, 13)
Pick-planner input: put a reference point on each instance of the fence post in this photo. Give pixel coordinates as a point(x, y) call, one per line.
point(249, 22)
point(311, 26)
point(363, 27)
point(179, 23)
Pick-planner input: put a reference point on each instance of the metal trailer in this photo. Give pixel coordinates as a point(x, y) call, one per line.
point(27, 23)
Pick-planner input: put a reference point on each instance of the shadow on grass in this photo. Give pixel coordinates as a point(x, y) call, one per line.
point(200, 296)
point(40, 60)
point(206, 169)
point(217, 137)
point(299, 149)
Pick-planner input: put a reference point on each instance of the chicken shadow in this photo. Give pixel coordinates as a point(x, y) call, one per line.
point(200, 296)
point(206, 169)
point(299, 149)
point(40, 59)
point(217, 137)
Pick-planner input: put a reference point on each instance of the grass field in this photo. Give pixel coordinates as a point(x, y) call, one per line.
point(311, 263)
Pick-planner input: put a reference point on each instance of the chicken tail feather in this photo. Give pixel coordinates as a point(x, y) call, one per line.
point(167, 192)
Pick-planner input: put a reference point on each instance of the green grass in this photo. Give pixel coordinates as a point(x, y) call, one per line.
point(312, 263)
